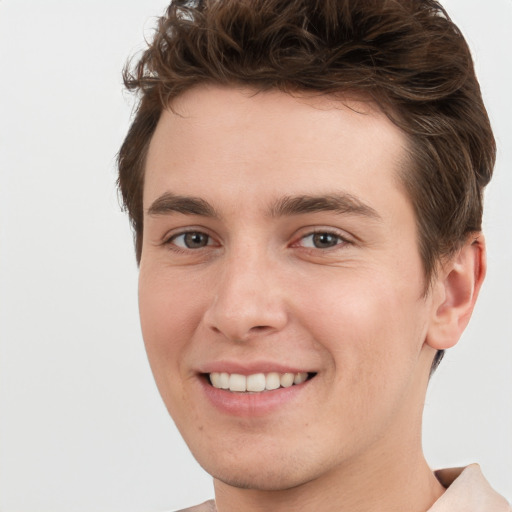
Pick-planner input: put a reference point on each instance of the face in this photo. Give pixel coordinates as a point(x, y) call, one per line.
point(280, 247)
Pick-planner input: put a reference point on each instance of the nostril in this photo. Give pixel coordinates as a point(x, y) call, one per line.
point(257, 330)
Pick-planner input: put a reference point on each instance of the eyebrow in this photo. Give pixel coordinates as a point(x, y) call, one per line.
point(341, 203)
point(169, 203)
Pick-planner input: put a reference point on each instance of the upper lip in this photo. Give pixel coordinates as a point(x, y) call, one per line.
point(251, 367)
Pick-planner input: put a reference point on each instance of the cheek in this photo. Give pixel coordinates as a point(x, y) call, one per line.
point(169, 314)
point(370, 324)
point(372, 337)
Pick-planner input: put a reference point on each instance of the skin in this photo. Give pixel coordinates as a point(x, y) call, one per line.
point(263, 289)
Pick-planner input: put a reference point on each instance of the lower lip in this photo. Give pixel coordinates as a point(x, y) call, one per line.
point(252, 404)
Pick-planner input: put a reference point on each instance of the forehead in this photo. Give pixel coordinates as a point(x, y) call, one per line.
point(253, 143)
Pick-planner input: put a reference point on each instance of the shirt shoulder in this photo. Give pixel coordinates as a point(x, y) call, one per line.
point(207, 506)
point(467, 490)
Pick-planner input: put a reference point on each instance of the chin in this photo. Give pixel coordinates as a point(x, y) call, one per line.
point(261, 471)
point(262, 479)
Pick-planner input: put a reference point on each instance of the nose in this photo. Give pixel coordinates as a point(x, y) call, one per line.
point(248, 299)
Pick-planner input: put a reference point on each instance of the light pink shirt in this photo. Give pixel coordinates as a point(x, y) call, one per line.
point(467, 491)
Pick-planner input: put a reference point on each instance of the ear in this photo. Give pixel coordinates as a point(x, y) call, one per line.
point(455, 291)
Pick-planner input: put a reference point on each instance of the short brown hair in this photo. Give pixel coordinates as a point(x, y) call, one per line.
point(407, 55)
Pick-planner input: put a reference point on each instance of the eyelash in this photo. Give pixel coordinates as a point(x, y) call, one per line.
point(340, 240)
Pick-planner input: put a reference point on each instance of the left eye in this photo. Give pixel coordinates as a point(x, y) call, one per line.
point(191, 240)
point(321, 240)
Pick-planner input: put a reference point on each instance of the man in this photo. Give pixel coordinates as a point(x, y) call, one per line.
point(305, 184)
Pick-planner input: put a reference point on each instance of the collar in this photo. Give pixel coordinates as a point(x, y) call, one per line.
point(467, 490)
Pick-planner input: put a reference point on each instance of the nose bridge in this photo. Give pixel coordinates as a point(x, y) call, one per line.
point(248, 298)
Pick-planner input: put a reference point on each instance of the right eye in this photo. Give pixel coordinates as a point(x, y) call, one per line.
point(191, 240)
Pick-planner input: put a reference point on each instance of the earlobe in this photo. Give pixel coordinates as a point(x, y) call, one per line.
point(455, 292)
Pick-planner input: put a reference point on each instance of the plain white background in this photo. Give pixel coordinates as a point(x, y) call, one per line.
point(82, 427)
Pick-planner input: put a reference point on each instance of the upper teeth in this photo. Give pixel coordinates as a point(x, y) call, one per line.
point(256, 382)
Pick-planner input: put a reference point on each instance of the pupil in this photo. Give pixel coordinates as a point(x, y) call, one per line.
point(194, 240)
point(323, 240)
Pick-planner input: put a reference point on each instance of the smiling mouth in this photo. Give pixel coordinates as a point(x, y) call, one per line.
point(257, 382)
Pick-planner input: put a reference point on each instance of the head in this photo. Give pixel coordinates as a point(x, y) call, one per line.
point(406, 55)
point(402, 60)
